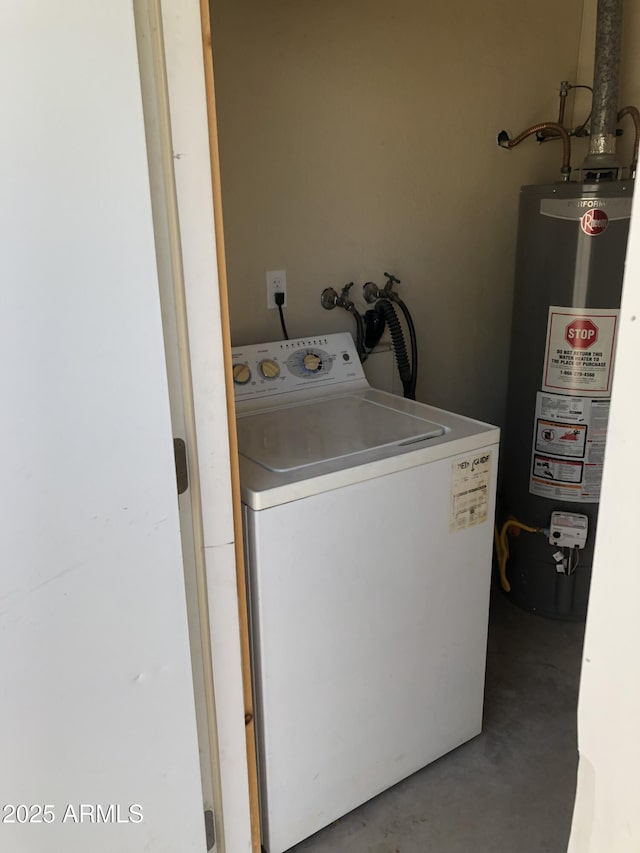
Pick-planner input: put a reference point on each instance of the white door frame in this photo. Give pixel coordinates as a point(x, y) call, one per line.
point(149, 36)
point(173, 86)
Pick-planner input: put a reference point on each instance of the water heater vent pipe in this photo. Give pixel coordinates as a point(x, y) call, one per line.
point(602, 145)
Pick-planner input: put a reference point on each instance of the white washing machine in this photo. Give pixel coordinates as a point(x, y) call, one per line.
point(368, 532)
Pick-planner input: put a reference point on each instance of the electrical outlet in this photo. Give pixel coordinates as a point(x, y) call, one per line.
point(276, 283)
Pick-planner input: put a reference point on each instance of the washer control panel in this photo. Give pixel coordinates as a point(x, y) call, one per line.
point(265, 370)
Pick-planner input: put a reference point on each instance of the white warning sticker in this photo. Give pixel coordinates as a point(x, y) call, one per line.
point(568, 447)
point(470, 481)
point(563, 439)
point(555, 470)
point(558, 407)
point(580, 351)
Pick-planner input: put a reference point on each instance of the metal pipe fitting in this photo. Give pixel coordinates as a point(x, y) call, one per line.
point(371, 292)
point(565, 86)
point(329, 298)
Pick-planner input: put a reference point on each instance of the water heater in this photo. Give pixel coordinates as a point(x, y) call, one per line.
point(569, 268)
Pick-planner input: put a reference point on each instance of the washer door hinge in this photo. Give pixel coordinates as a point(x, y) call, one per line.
point(182, 472)
point(210, 829)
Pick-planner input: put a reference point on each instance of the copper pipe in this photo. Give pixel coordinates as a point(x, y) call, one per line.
point(565, 86)
point(505, 142)
point(635, 115)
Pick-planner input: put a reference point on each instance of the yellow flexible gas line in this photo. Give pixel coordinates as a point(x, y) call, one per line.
point(502, 547)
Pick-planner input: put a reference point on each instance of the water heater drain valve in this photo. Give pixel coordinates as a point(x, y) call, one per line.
point(568, 529)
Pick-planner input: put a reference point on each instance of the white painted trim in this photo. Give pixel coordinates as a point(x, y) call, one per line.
point(606, 815)
point(168, 245)
point(187, 100)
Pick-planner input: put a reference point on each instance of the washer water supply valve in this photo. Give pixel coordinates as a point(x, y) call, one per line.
point(374, 323)
point(329, 299)
point(371, 292)
point(407, 368)
point(370, 328)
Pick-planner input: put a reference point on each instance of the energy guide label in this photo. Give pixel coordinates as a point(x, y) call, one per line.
point(470, 483)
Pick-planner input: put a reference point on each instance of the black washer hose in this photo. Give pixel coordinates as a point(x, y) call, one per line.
point(414, 346)
point(357, 316)
point(399, 346)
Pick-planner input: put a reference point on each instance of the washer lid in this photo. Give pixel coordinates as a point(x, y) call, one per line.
point(296, 436)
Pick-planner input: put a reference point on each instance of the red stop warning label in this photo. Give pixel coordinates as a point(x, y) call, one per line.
point(594, 222)
point(579, 354)
point(581, 333)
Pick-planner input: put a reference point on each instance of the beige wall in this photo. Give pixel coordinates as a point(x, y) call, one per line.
point(358, 137)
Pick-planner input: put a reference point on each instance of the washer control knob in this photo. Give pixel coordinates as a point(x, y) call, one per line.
point(241, 374)
point(269, 368)
point(312, 361)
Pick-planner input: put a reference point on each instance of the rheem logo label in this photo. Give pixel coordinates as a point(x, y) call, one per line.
point(594, 222)
point(581, 333)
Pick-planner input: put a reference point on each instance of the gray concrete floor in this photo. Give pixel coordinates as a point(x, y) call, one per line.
point(511, 789)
